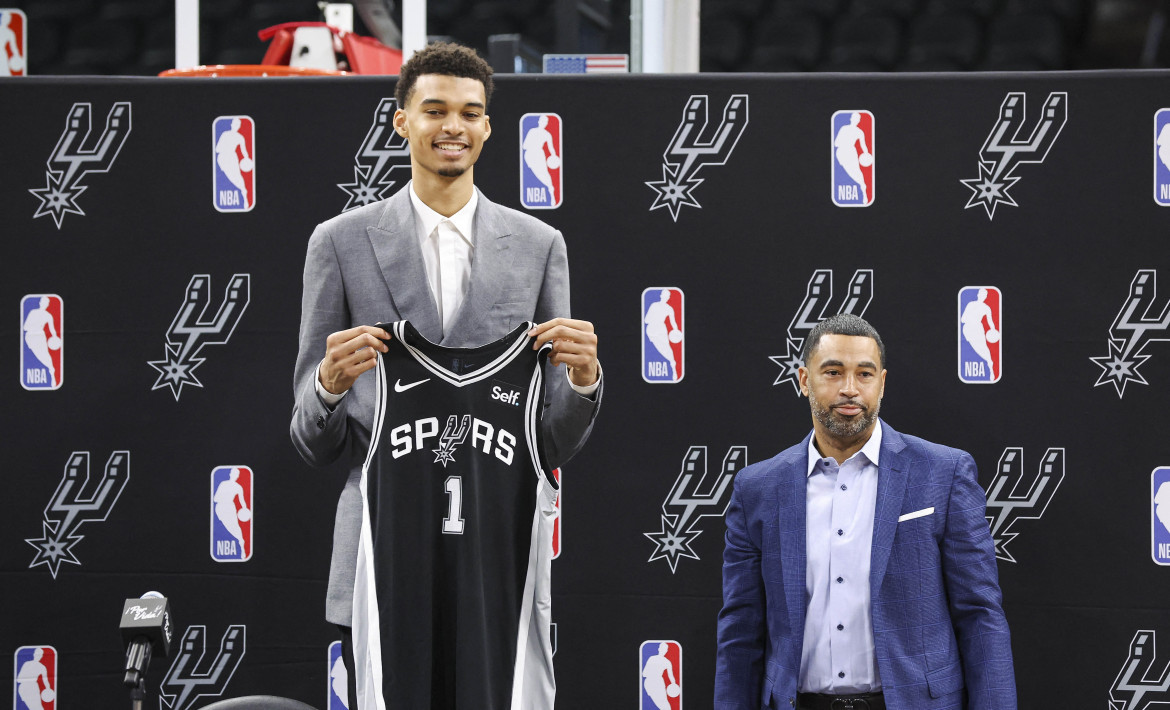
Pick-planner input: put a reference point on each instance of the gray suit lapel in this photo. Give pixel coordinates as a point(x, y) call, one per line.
point(892, 474)
point(399, 255)
point(490, 271)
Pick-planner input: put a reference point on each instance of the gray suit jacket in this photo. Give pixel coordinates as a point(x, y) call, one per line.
point(366, 266)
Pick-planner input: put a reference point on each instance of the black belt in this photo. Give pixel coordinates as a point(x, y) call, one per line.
point(825, 701)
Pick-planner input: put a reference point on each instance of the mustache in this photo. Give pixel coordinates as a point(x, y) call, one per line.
point(850, 403)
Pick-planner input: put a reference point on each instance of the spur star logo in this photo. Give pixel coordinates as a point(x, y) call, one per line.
point(1133, 329)
point(693, 147)
point(1011, 496)
point(1134, 688)
point(817, 297)
point(185, 683)
point(76, 155)
point(1004, 150)
point(189, 331)
point(71, 506)
point(687, 504)
point(381, 153)
point(454, 434)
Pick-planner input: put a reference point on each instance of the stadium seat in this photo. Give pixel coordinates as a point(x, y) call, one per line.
point(133, 10)
point(1025, 40)
point(105, 45)
point(982, 9)
point(953, 39)
point(722, 43)
point(900, 9)
point(68, 10)
point(786, 42)
point(272, 12)
point(864, 41)
point(44, 43)
point(743, 9)
point(825, 10)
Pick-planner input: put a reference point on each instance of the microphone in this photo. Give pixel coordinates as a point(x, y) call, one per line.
point(146, 627)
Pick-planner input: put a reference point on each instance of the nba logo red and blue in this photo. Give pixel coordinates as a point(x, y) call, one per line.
point(660, 664)
point(338, 677)
point(853, 158)
point(35, 673)
point(231, 514)
point(233, 157)
point(663, 337)
point(980, 334)
point(541, 161)
point(42, 342)
point(1162, 157)
point(13, 43)
point(1160, 515)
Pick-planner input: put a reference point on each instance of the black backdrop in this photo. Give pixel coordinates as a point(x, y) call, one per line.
point(760, 222)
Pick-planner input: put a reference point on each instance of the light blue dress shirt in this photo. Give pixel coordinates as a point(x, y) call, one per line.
point(838, 653)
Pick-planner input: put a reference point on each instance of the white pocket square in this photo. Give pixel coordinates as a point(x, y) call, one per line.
point(916, 514)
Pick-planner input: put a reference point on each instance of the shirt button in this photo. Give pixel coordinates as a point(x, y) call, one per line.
point(840, 531)
point(840, 627)
point(840, 580)
point(844, 487)
point(841, 674)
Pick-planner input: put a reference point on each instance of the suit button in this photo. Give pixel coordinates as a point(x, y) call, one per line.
point(320, 422)
point(792, 702)
point(841, 674)
point(840, 627)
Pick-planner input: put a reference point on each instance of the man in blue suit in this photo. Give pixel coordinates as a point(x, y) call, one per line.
point(859, 571)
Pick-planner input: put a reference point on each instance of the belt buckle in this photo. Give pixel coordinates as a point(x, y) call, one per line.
point(849, 704)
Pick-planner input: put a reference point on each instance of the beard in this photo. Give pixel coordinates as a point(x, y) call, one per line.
point(842, 426)
point(452, 172)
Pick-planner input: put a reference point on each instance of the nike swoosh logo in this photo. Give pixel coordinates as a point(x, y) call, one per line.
point(399, 387)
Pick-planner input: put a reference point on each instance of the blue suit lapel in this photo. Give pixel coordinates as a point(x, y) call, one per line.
point(792, 500)
point(395, 243)
point(892, 474)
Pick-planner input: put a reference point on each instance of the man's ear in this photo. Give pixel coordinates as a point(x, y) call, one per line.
point(400, 122)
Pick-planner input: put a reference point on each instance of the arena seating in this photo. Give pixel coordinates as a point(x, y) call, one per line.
point(136, 36)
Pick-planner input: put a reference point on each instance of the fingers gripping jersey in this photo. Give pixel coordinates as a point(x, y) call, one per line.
point(451, 596)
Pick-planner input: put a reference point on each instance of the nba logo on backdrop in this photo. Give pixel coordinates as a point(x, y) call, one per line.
point(42, 342)
point(231, 514)
point(1162, 157)
point(660, 668)
point(1160, 515)
point(35, 671)
point(980, 334)
point(233, 147)
point(853, 159)
point(13, 43)
point(541, 161)
point(337, 697)
point(662, 334)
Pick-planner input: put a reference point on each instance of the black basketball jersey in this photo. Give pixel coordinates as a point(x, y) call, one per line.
point(451, 595)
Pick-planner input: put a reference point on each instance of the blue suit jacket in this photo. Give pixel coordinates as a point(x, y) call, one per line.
point(940, 636)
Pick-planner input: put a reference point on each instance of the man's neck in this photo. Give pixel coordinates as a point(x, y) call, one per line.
point(837, 448)
point(443, 194)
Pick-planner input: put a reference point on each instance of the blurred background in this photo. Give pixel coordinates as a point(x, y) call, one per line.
point(136, 37)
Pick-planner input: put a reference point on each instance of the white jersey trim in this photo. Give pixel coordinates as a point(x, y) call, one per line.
point(367, 646)
point(471, 377)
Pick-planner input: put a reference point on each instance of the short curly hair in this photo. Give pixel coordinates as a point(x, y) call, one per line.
point(445, 58)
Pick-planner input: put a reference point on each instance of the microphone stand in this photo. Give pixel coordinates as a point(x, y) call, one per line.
point(137, 661)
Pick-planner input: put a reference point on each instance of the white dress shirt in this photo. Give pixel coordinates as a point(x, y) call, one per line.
point(448, 249)
point(838, 652)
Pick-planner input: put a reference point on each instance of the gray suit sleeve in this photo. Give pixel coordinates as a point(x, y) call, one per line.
point(568, 416)
point(318, 433)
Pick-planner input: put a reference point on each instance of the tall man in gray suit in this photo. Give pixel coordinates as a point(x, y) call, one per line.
point(463, 270)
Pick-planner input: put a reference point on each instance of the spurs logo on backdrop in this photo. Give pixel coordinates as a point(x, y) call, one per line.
point(190, 331)
point(1136, 326)
point(812, 310)
point(1135, 688)
point(76, 156)
point(1003, 150)
point(693, 147)
point(184, 683)
point(71, 506)
point(1011, 497)
point(686, 504)
point(381, 153)
point(454, 434)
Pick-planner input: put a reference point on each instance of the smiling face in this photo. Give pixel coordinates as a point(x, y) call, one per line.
point(844, 382)
point(446, 122)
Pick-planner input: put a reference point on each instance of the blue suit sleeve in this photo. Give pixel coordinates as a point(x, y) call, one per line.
point(974, 597)
point(739, 662)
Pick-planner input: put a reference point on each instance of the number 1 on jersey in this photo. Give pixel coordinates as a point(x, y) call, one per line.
point(453, 523)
